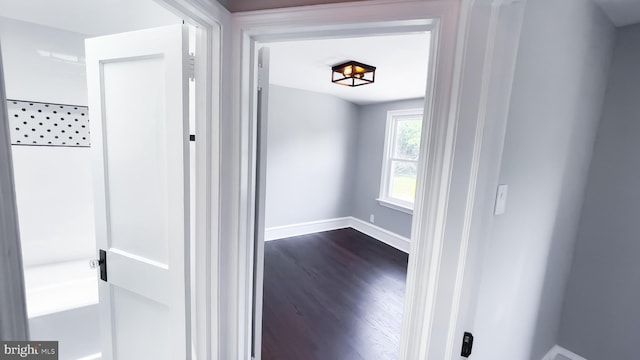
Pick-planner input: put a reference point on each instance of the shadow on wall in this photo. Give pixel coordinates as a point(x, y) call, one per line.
point(590, 79)
point(600, 318)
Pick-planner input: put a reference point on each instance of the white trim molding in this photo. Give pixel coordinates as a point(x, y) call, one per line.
point(375, 17)
point(392, 205)
point(213, 53)
point(393, 117)
point(557, 350)
point(383, 235)
point(310, 227)
point(390, 238)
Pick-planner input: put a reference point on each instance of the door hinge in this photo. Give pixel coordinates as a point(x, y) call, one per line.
point(467, 344)
point(191, 63)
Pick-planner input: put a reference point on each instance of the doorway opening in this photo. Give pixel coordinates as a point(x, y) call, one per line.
point(337, 173)
point(43, 51)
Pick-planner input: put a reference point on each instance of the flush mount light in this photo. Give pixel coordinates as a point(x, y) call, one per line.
point(353, 73)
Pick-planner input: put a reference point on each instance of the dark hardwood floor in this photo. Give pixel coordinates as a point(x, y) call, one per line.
point(335, 295)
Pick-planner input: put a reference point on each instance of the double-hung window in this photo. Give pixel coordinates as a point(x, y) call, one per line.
point(400, 161)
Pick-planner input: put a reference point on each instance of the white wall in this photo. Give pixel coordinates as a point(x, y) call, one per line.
point(600, 319)
point(30, 76)
point(75, 330)
point(311, 157)
point(55, 203)
point(53, 184)
point(556, 103)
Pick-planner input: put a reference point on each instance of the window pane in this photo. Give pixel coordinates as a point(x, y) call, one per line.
point(402, 184)
point(407, 139)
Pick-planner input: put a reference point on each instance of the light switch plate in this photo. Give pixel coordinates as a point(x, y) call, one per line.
point(501, 199)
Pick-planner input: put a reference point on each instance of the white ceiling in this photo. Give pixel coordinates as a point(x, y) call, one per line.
point(621, 12)
point(401, 62)
point(91, 17)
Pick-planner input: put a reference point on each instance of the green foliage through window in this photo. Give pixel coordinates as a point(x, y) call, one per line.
point(401, 161)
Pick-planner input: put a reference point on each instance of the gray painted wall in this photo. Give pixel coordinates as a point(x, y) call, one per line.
point(311, 156)
point(600, 317)
point(557, 98)
point(372, 121)
point(324, 159)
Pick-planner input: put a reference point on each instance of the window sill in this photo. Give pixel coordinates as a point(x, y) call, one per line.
point(396, 206)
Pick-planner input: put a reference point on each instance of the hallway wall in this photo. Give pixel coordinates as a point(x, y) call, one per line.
point(557, 98)
point(600, 319)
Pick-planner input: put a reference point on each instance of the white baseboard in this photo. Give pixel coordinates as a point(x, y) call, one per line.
point(392, 239)
point(559, 350)
point(286, 231)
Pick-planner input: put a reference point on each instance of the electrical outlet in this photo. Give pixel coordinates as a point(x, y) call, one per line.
point(372, 219)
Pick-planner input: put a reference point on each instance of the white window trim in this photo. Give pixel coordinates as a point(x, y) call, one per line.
point(387, 158)
point(408, 209)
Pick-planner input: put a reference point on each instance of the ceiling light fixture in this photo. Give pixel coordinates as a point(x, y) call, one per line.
point(353, 73)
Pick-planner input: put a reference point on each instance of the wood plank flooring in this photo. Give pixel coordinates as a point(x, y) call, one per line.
point(335, 295)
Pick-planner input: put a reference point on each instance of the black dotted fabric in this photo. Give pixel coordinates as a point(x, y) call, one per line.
point(42, 124)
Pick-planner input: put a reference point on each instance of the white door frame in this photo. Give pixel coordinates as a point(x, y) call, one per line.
point(477, 45)
point(211, 19)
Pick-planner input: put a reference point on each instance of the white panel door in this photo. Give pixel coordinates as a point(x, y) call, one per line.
point(261, 184)
point(138, 103)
